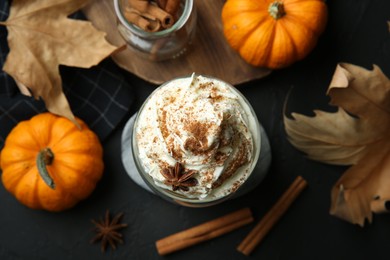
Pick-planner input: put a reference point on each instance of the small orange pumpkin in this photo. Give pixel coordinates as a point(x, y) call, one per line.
point(273, 33)
point(49, 163)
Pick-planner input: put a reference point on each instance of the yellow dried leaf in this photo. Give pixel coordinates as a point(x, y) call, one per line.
point(357, 134)
point(40, 38)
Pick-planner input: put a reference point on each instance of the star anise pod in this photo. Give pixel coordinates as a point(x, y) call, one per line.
point(179, 177)
point(107, 231)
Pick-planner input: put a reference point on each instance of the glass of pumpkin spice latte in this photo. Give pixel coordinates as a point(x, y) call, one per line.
point(196, 142)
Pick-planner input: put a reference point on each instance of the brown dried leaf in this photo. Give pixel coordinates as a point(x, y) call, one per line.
point(40, 38)
point(357, 134)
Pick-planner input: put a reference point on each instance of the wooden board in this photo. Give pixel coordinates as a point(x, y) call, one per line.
point(209, 55)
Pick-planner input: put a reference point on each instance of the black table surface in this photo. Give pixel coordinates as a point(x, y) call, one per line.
point(357, 32)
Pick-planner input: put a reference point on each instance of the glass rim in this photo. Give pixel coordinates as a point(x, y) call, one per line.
point(136, 30)
point(179, 198)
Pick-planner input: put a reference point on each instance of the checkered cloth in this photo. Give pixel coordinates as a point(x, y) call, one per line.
point(99, 95)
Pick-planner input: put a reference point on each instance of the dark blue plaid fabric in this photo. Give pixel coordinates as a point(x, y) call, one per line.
point(100, 95)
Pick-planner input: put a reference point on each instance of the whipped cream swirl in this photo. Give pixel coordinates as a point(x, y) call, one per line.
point(204, 124)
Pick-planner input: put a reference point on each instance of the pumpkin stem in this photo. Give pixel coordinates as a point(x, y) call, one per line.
point(276, 10)
point(45, 157)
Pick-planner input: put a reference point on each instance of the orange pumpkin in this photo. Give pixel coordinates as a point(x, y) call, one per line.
point(273, 33)
point(49, 163)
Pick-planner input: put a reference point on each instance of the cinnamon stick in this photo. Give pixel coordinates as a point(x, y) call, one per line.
point(204, 232)
point(172, 6)
point(151, 9)
point(145, 23)
point(161, 3)
point(258, 233)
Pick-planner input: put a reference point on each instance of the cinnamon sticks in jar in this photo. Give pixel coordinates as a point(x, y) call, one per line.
point(152, 16)
point(152, 32)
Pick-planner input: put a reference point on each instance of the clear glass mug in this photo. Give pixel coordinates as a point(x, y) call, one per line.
point(259, 166)
point(162, 45)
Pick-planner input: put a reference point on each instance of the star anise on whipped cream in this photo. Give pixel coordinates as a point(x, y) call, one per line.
point(179, 177)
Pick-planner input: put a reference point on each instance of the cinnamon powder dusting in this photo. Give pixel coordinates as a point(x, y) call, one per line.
point(175, 152)
point(198, 143)
point(241, 159)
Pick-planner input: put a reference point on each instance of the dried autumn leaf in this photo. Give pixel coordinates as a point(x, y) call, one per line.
point(357, 134)
point(40, 38)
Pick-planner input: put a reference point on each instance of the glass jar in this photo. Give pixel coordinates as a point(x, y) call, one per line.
point(161, 45)
point(254, 172)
